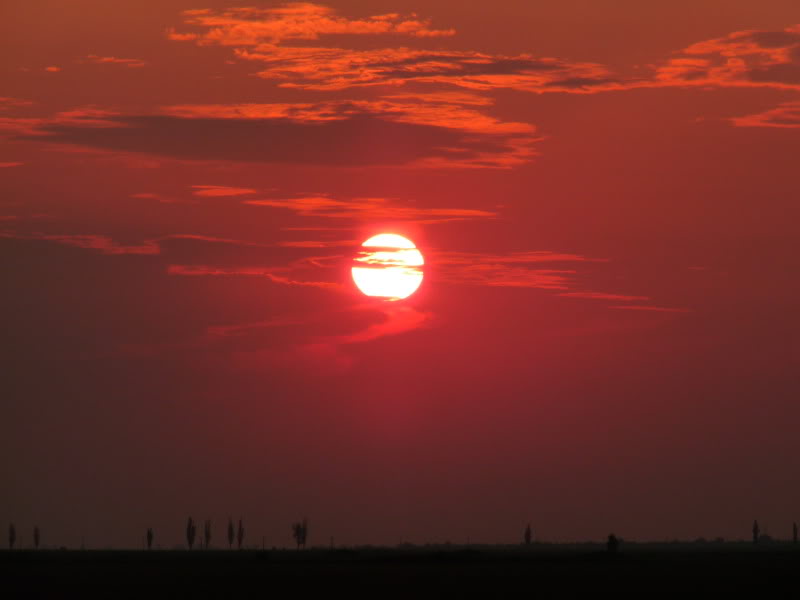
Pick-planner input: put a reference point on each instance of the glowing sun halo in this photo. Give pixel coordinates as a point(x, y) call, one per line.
point(388, 266)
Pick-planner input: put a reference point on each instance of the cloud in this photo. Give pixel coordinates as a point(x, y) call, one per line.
point(750, 58)
point(786, 115)
point(248, 26)
point(604, 296)
point(113, 60)
point(258, 35)
point(662, 309)
point(102, 243)
point(516, 269)
point(7, 102)
point(418, 132)
point(52, 69)
point(6, 165)
point(220, 190)
point(370, 209)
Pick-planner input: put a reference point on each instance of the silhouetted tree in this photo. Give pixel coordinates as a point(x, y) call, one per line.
point(794, 533)
point(207, 532)
point(240, 534)
point(300, 532)
point(528, 535)
point(149, 538)
point(191, 531)
point(230, 533)
point(756, 531)
point(613, 543)
point(12, 536)
point(36, 537)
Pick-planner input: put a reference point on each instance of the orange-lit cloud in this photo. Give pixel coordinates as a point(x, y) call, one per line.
point(220, 190)
point(52, 69)
point(786, 115)
point(258, 34)
point(6, 165)
point(250, 26)
point(370, 209)
point(437, 131)
point(113, 60)
point(742, 59)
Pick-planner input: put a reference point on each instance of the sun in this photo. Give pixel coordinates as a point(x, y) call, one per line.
point(388, 266)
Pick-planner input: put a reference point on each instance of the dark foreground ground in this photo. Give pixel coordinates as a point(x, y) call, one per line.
point(491, 572)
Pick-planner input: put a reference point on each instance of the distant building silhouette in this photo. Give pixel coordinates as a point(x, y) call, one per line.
point(756, 532)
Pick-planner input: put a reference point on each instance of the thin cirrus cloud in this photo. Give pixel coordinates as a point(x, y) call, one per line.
point(113, 60)
point(516, 269)
point(370, 209)
point(220, 190)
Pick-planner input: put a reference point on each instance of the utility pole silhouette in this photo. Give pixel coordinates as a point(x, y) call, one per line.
point(230, 533)
point(149, 538)
point(756, 531)
point(240, 534)
point(12, 536)
point(191, 530)
point(36, 537)
point(528, 535)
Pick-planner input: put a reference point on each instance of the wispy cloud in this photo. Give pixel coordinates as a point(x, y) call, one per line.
point(220, 190)
point(113, 60)
point(786, 115)
point(752, 58)
point(370, 209)
point(258, 34)
point(250, 26)
point(516, 269)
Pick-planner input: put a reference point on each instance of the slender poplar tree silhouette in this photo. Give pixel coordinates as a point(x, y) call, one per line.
point(528, 535)
point(230, 533)
point(149, 538)
point(191, 530)
point(36, 537)
point(12, 536)
point(300, 532)
point(240, 534)
point(207, 532)
point(756, 531)
point(794, 533)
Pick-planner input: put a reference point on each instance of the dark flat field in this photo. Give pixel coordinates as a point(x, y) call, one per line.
point(488, 571)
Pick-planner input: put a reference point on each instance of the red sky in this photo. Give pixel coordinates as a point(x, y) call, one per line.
point(606, 338)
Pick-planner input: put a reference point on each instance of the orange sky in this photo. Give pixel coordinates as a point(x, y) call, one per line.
point(606, 337)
